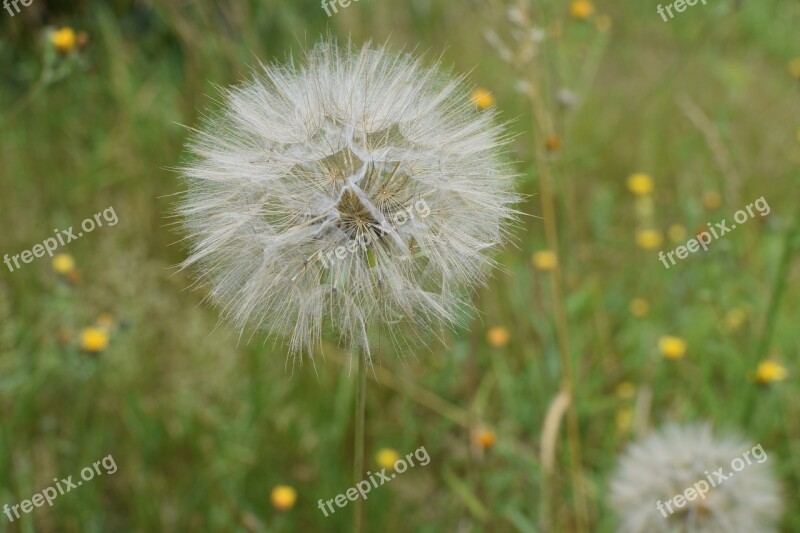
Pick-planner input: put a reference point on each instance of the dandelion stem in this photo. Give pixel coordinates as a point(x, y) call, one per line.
point(358, 445)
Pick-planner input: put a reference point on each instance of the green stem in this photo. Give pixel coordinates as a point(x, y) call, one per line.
point(770, 317)
point(781, 279)
point(360, 415)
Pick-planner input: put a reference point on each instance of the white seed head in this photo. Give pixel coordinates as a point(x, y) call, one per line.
point(666, 464)
point(351, 188)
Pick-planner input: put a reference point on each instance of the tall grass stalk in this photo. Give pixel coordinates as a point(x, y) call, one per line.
point(543, 128)
point(358, 444)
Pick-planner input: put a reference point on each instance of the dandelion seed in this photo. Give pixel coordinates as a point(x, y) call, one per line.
point(386, 458)
point(297, 186)
point(283, 497)
point(672, 347)
point(674, 460)
point(498, 337)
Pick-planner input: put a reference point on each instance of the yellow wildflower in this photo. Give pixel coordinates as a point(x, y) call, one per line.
point(648, 239)
point(485, 438)
point(64, 39)
point(63, 264)
point(640, 184)
point(386, 458)
point(768, 372)
point(94, 340)
point(672, 347)
point(712, 200)
point(544, 260)
point(581, 9)
point(482, 98)
point(498, 336)
point(283, 497)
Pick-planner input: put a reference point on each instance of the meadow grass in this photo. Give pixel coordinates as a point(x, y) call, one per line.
point(202, 425)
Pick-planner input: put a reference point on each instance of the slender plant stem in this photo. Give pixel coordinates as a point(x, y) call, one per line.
point(781, 278)
point(790, 248)
point(358, 445)
point(543, 127)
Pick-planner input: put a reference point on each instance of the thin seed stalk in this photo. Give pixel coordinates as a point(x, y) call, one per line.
point(358, 443)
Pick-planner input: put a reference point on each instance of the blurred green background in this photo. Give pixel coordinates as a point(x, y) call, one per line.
point(203, 427)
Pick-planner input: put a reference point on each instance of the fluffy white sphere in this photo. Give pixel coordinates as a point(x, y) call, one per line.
point(678, 458)
point(352, 188)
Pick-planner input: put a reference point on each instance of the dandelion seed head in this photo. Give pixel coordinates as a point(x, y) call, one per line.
point(349, 187)
point(668, 462)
